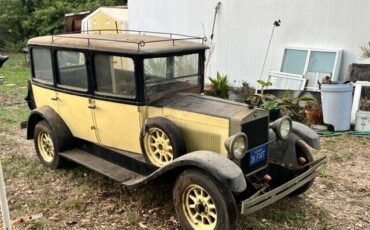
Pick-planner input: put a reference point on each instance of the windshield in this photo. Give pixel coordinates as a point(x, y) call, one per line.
point(171, 74)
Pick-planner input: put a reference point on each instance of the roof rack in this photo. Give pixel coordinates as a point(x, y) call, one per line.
point(172, 37)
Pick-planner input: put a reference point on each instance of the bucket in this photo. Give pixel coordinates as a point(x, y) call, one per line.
point(336, 105)
point(362, 121)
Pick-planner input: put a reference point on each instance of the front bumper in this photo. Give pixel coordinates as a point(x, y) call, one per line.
point(262, 198)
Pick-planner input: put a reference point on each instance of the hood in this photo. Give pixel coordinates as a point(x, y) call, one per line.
point(202, 104)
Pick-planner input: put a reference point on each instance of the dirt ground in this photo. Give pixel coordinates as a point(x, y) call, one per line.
point(77, 198)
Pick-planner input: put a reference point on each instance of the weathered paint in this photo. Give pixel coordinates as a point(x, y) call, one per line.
point(102, 21)
point(118, 125)
point(201, 132)
point(105, 18)
point(75, 113)
point(44, 96)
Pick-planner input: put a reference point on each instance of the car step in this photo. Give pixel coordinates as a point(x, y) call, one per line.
point(102, 166)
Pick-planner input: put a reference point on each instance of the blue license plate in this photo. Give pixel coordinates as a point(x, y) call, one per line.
point(257, 155)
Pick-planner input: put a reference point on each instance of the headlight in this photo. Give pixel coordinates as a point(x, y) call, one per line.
point(284, 127)
point(237, 145)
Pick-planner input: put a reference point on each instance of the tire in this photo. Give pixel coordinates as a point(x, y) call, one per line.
point(161, 141)
point(46, 146)
point(214, 208)
point(303, 152)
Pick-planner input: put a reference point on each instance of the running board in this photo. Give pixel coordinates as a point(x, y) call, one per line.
point(102, 166)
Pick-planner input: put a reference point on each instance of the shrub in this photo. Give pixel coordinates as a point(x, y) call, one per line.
point(220, 85)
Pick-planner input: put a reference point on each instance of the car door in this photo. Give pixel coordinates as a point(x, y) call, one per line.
point(117, 117)
point(74, 101)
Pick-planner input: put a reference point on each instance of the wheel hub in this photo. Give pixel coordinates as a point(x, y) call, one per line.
point(201, 208)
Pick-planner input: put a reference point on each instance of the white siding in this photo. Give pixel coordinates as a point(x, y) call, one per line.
point(243, 28)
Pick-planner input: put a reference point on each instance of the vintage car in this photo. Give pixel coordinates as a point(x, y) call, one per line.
point(131, 106)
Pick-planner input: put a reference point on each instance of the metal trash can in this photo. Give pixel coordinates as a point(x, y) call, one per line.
point(336, 105)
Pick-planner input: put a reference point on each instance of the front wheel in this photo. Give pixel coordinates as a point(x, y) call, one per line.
point(201, 202)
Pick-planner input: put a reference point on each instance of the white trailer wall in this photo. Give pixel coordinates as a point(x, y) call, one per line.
point(243, 29)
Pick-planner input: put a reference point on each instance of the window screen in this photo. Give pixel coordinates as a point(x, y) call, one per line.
point(72, 69)
point(321, 62)
point(42, 66)
point(294, 61)
point(115, 75)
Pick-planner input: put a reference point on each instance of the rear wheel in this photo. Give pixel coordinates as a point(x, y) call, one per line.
point(46, 146)
point(201, 202)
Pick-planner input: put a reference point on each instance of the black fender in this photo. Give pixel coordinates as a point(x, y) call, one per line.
point(285, 151)
point(63, 135)
point(218, 166)
point(306, 134)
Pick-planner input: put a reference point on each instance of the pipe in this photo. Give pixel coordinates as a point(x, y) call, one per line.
point(4, 202)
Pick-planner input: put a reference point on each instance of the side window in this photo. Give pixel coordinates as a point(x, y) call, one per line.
point(42, 66)
point(115, 75)
point(72, 70)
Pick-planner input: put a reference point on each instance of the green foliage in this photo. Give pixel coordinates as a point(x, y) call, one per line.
point(270, 105)
point(220, 85)
point(264, 84)
point(13, 91)
point(23, 19)
point(291, 106)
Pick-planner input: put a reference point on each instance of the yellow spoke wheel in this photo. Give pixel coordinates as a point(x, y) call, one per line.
point(45, 146)
point(203, 203)
point(199, 208)
point(158, 147)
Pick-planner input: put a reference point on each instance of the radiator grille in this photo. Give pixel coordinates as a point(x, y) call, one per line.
point(257, 133)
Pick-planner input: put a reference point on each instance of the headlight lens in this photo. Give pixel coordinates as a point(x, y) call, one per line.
point(284, 127)
point(237, 145)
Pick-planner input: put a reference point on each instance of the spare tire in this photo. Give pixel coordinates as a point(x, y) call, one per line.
point(161, 141)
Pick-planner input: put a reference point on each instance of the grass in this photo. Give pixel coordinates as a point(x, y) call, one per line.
point(21, 166)
point(283, 214)
point(13, 109)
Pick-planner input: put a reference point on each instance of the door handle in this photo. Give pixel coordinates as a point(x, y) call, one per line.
point(54, 98)
point(91, 106)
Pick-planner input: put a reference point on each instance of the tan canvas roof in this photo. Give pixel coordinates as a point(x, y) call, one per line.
point(124, 42)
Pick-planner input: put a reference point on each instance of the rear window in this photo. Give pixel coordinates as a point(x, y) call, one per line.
point(42, 65)
point(72, 70)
